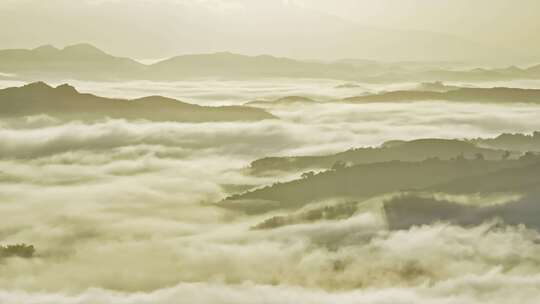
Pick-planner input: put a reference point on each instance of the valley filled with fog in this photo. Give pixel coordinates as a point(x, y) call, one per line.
point(272, 152)
point(139, 211)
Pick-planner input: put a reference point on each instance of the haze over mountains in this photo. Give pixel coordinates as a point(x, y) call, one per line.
point(66, 102)
point(385, 30)
point(269, 151)
point(419, 182)
point(81, 61)
point(494, 95)
point(86, 62)
point(424, 92)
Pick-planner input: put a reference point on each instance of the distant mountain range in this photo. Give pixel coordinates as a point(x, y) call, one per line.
point(282, 28)
point(435, 91)
point(86, 62)
point(81, 61)
point(66, 102)
point(495, 95)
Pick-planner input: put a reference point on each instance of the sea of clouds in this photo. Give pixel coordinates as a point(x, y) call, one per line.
point(121, 211)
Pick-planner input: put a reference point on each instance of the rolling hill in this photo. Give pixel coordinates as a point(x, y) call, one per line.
point(517, 142)
point(66, 102)
point(416, 150)
point(409, 210)
point(488, 95)
point(363, 181)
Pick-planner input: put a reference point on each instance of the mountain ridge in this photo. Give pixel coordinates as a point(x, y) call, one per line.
point(496, 94)
point(414, 150)
point(64, 101)
point(87, 62)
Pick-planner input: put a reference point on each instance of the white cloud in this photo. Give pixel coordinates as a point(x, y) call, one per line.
point(116, 212)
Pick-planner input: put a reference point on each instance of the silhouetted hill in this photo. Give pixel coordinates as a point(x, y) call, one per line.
point(84, 61)
point(495, 95)
point(231, 65)
point(449, 74)
point(362, 181)
point(416, 150)
point(65, 102)
point(18, 250)
point(432, 71)
point(524, 178)
point(81, 61)
point(410, 210)
point(519, 142)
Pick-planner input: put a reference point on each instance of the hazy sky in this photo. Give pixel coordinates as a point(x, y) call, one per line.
point(298, 28)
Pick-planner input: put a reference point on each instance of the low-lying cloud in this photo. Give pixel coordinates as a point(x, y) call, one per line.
point(119, 213)
point(337, 128)
point(422, 265)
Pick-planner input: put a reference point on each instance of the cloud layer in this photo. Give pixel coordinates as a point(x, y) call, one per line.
point(118, 211)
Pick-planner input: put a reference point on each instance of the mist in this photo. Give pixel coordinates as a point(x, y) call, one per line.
point(456, 31)
point(59, 190)
point(235, 151)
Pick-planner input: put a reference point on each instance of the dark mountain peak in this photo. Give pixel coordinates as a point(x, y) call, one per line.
point(40, 85)
point(155, 99)
point(66, 88)
point(46, 49)
point(83, 49)
point(43, 89)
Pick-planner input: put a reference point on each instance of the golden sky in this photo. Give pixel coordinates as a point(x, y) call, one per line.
point(296, 28)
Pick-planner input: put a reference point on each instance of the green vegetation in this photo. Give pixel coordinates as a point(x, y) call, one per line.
point(19, 250)
point(517, 142)
point(339, 211)
point(416, 150)
point(367, 180)
point(443, 166)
